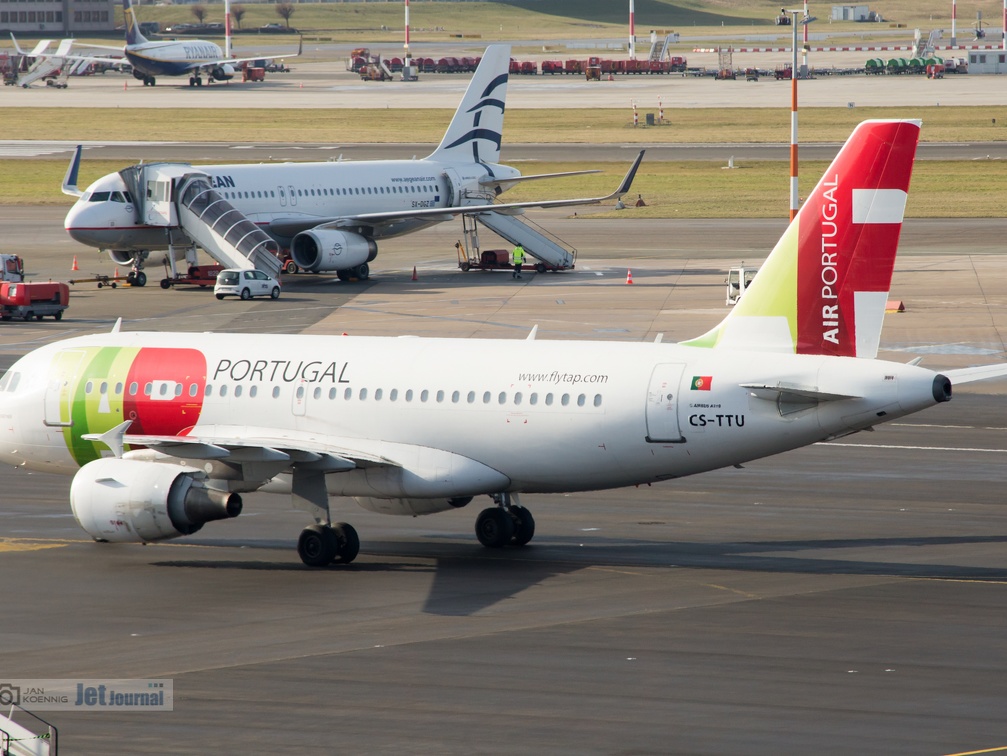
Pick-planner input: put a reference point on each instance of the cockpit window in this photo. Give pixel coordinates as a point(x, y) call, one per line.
point(14, 380)
point(99, 197)
point(3, 381)
point(117, 197)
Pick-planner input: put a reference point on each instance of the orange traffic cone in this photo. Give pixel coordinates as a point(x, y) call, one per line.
point(414, 272)
point(116, 274)
point(629, 276)
point(74, 266)
point(124, 85)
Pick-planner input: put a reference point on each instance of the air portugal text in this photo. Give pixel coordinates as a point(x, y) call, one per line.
point(285, 371)
point(830, 271)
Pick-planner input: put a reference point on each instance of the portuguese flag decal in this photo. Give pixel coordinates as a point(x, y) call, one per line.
point(701, 383)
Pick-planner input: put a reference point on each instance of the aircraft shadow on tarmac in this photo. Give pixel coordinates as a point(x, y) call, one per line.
point(469, 578)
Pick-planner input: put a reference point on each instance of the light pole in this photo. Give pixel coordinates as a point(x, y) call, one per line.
point(794, 199)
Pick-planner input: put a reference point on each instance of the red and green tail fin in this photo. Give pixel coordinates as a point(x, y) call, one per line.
point(824, 287)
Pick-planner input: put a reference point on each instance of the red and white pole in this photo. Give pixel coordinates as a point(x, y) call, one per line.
point(636, 116)
point(793, 126)
point(407, 33)
point(632, 30)
point(227, 28)
point(660, 107)
point(954, 21)
point(1005, 26)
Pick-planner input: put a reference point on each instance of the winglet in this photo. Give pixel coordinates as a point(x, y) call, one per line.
point(118, 326)
point(70, 179)
point(113, 438)
point(627, 182)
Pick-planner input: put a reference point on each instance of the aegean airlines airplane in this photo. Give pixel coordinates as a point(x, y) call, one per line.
point(155, 427)
point(329, 215)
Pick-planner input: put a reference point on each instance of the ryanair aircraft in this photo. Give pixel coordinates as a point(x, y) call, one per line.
point(163, 432)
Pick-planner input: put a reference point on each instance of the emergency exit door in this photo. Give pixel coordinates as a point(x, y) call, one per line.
point(662, 404)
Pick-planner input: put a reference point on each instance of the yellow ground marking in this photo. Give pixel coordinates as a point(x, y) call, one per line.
point(985, 750)
point(30, 544)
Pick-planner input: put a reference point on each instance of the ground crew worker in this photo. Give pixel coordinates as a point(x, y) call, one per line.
point(517, 257)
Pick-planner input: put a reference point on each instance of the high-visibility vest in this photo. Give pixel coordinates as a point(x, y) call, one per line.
point(518, 255)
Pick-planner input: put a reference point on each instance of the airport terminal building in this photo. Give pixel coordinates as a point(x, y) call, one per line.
point(56, 18)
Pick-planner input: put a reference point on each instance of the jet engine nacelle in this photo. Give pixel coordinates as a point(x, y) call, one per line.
point(322, 249)
point(127, 500)
point(223, 73)
point(121, 256)
point(411, 507)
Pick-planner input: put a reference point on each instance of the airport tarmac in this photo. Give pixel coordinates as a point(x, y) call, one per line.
point(329, 85)
point(844, 598)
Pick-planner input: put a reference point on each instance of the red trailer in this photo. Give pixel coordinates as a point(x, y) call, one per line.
point(33, 300)
point(552, 67)
point(529, 68)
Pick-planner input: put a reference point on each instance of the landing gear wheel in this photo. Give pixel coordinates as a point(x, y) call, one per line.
point(130, 278)
point(317, 546)
point(362, 272)
point(140, 279)
point(343, 275)
point(349, 542)
point(246, 294)
point(525, 526)
point(495, 527)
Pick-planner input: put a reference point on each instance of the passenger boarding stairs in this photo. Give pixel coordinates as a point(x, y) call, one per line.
point(45, 66)
point(659, 49)
point(927, 47)
point(176, 196)
point(536, 241)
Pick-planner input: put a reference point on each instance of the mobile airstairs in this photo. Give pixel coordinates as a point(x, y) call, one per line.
point(547, 248)
point(47, 65)
point(182, 200)
point(18, 740)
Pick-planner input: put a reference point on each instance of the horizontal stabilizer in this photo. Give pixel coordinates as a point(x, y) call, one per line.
point(980, 373)
point(786, 392)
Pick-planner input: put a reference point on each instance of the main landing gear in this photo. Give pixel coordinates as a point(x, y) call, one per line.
point(320, 545)
point(506, 524)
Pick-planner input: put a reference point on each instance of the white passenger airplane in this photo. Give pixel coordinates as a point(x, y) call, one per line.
point(150, 59)
point(155, 427)
point(331, 214)
point(191, 58)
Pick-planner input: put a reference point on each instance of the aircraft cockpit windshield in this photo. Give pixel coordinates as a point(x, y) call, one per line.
point(106, 197)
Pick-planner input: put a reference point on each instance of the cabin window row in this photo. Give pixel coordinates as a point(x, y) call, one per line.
point(170, 389)
point(327, 192)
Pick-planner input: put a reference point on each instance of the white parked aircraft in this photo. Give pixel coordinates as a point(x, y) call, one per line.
point(155, 427)
point(191, 58)
point(150, 59)
point(330, 214)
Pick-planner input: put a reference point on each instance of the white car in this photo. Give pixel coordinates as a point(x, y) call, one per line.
point(245, 284)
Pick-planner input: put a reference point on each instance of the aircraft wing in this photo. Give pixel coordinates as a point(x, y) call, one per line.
point(227, 446)
point(238, 61)
point(292, 226)
point(242, 445)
